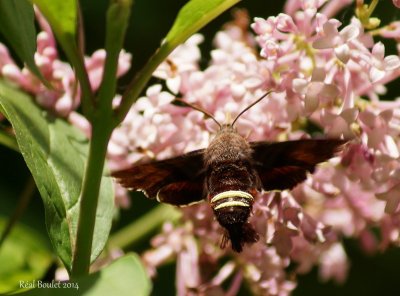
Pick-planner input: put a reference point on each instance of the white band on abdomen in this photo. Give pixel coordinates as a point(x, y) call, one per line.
point(232, 203)
point(231, 193)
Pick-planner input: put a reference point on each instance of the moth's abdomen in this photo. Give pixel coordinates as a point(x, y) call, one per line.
point(232, 189)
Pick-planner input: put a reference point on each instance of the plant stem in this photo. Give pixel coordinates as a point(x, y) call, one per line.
point(100, 116)
point(87, 98)
point(89, 198)
point(146, 224)
point(117, 22)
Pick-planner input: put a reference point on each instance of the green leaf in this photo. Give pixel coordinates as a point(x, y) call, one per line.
point(55, 153)
point(62, 16)
point(195, 15)
point(124, 277)
point(24, 256)
point(17, 25)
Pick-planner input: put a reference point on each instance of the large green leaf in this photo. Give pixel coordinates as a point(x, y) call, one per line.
point(17, 25)
point(195, 15)
point(124, 277)
point(55, 153)
point(24, 256)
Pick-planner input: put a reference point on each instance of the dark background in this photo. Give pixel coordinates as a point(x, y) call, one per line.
point(150, 21)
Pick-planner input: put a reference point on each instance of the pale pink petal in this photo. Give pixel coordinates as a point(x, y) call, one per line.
point(64, 105)
point(300, 85)
point(334, 264)
point(330, 39)
point(368, 118)
point(270, 50)
point(378, 51)
point(349, 32)
point(343, 53)
point(386, 115)
point(174, 84)
point(283, 239)
point(391, 62)
point(391, 146)
point(318, 74)
point(329, 91)
point(311, 101)
point(392, 198)
point(285, 23)
point(224, 272)
point(350, 115)
point(124, 62)
point(375, 74)
point(261, 26)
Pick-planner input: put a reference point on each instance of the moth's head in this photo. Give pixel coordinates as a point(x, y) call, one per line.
point(227, 127)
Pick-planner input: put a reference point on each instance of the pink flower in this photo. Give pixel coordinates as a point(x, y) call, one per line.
point(392, 198)
point(339, 41)
point(315, 90)
point(334, 264)
point(381, 64)
point(180, 63)
point(391, 31)
point(377, 132)
point(337, 125)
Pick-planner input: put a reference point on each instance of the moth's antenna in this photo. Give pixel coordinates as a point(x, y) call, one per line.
point(198, 108)
point(251, 105)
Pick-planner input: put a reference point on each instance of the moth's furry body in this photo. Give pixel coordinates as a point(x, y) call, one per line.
point(232, 184)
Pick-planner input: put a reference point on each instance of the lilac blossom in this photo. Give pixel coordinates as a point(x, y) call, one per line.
point(64, 98)
point(318, 70)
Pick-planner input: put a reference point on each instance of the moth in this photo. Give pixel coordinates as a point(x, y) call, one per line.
point(229, 174)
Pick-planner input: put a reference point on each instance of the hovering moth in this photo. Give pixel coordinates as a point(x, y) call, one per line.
point(229, 174)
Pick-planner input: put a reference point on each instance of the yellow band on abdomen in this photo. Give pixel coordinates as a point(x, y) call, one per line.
point(231, 193)
point(232, 203)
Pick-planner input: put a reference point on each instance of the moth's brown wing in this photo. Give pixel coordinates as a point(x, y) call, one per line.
point(178, 181)
point(283, 165)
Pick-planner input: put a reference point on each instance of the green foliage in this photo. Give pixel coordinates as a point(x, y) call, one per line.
point(17, 25)
point(62, 16)
point(24, 256)
point(55, 153)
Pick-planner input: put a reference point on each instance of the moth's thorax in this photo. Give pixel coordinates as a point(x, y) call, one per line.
point(227, 145)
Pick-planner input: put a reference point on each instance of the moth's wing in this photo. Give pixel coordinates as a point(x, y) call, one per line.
point(283, 165)
point(178, 181)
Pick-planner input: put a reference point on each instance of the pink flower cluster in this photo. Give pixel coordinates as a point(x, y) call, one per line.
point(323, 75)
point(64, 97)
